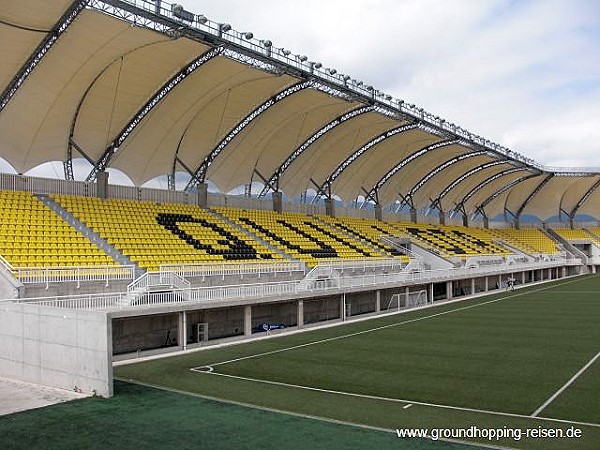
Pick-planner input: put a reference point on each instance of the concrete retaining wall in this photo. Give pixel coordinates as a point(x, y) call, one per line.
point(66, 349)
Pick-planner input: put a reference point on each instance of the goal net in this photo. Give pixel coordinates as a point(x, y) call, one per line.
point(405, 300)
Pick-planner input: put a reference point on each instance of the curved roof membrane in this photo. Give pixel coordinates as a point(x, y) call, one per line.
point(149, 91)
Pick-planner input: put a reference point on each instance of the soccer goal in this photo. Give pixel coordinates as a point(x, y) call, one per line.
point(405, 300)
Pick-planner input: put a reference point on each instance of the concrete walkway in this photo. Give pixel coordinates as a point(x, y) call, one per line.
point(18, 396)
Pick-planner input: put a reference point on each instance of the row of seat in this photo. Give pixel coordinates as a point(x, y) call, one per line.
point(152, 234)
point(32, 235)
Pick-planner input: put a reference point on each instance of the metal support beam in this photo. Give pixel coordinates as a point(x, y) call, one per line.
point(367, 146)
point(438, 145)
point(42, 49)
point(440, 168)
point(156, 98)
point(466, 175)
point(200, 173)
point(273, 186)
point(504, 188)
point(489, 180)
point(583, 199)
point(373, 196)
point(535, 192)
point(321, 192)
point(298, 151)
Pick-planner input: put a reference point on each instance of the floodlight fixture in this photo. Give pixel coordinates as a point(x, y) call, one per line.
point(302, 58)
point(266, 43)
point(285, 52)
point(201, 18)
point(224, 27)
point(318, 65)
point(332, 71)
point(248, 35)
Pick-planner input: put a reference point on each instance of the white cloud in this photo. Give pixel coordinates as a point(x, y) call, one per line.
point(524, 74)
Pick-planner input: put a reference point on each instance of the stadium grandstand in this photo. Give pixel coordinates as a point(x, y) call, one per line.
point(355, 204)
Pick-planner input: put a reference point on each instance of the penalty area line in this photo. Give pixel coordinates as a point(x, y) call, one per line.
point(383, 327)
point(566, 385)
point(394, 400)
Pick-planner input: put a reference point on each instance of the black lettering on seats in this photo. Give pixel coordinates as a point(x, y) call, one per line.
point(236, 248)
point(337, 238)
point(324, 250)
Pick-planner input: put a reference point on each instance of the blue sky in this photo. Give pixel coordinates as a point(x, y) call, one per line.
point(524, 74)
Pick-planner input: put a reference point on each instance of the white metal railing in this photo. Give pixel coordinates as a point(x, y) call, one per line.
point(7, 265)
point(363, 265)
point(209, 270)
point(277, 290)
point(161, 278)
point(77, 274)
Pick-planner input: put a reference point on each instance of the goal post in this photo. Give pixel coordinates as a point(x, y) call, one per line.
point(408, 300)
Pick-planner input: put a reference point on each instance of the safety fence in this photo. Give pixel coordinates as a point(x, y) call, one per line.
point(280, 290)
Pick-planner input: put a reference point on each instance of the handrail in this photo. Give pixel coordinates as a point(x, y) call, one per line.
point(78, 274)
point(259, 268)
point(274, 291)
point(161, 278)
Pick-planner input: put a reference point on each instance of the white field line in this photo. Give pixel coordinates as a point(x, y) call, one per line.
point(565, 386)
point(344, 336)
point(398, 400)
point(303, 416)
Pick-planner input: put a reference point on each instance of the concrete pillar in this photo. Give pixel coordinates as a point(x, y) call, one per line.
point(377, 301)
point(182, 331)
point(300, 313)
point(564, 272)
point(343, 307)
point(378, 212)
point(442, 217)
point(486, 222)
point(522, 277)
point(465, 220)
point(517, 223)
point(472, 286)
point(413, 215)
point(247, 320)
point(487, 284)
point(202, 195)
point(277, 202)
point(102, 184)
point(449, 290)
point(430, 293)
point(329, 207)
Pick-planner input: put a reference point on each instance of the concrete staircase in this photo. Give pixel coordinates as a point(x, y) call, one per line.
point(92, 236)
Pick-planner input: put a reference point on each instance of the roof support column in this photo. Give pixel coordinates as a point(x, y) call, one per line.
point(277, 201)
point(202, 194)
point(413, 214)
point(378, 212)
point(329, 207)
point(442, 217)
point(102, 184)
point(486, 220)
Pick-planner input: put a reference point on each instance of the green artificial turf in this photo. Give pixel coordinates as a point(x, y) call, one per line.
point(138, 417)
point(507, 356)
